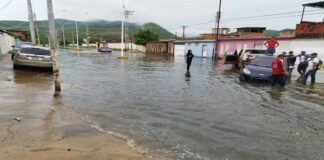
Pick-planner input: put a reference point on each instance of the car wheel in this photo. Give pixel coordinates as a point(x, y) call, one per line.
point(244, 78)
point(15, 66)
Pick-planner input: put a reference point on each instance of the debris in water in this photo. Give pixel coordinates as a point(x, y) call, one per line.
point(18, 119)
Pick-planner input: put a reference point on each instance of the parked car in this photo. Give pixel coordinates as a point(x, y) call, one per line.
point(18, 47)
point(33, 56)
point(104, 49)
point(259, 69)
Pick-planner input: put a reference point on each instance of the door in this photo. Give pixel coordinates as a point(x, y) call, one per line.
point(204, 51)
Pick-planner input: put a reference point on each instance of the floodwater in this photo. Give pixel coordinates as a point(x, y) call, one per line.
point(213, 116)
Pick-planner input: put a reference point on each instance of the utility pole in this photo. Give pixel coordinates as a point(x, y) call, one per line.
point(127, 32)
point(63, 34)
point(52, 31)
point(184, 32)
point(31, 22)
point(87, 31)
point(122, 34)
point(73, 39)
point(218, 18)
point(77, 34)
point(37, 30)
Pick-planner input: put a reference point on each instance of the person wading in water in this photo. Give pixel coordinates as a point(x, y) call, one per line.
point(189, 58)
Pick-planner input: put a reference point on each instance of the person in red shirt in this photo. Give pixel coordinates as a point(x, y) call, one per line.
point(279, 71)
point(271, 45)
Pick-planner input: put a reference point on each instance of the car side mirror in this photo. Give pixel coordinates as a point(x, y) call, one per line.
point(13, 46)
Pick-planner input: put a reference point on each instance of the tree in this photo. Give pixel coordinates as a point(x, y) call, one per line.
point(143, 36)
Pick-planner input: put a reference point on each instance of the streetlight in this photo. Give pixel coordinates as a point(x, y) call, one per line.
point(77, 31)
point(122, 34)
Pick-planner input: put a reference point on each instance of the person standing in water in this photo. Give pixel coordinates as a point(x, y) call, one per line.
point(189, 58)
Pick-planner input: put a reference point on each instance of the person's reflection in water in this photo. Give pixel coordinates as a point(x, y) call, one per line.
point(188, 76)
point(276, 93)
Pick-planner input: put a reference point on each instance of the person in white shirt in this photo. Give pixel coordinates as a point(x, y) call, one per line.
point(313, 62)
point(245, 58)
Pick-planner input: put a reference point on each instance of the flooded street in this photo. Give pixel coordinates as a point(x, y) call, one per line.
point(147, 101)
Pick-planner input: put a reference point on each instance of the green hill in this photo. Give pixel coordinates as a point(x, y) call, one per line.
point(98, 29)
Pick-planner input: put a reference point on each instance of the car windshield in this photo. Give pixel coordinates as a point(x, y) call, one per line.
point(256, 51)
point(105, 47)
point(36, 51)
point(263, 61)
point(22, 44)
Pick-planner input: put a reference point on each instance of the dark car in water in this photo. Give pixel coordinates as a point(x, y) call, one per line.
point(259, 69)
point(104, 49)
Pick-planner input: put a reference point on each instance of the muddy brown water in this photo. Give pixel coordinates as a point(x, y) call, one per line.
point(148, 101)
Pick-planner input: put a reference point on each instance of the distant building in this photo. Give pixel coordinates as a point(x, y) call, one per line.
point(287, 33)
point(310, 29)
point(223, 32)
point(200, 48)
point(251, 32)
point(18, 34)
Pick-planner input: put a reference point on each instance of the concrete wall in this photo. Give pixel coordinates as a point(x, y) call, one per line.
point(6, 41)
point(128, 46)
point(197, 48)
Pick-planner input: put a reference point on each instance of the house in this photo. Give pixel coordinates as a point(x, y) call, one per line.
point(308, 29)
point(223, 32)
point(287, 33)
point(249, 43)
point(7, 40)
point(246, 32)
point(201, 48)
point(18, 34)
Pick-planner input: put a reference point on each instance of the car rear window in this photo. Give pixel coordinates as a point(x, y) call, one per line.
point(36, 51)
point(257, 51)
point(263, 61)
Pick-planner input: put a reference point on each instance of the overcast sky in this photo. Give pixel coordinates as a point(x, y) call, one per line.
point(171, 14)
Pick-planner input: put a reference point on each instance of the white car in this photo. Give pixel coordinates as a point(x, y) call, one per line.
point(33, 56)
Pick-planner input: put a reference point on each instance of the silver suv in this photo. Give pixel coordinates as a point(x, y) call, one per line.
point(33, 56)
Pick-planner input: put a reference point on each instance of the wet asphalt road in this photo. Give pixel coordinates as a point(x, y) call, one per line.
point(147, 100)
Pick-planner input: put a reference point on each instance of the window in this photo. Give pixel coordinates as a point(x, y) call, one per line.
point(197, 44)
point(189, 44)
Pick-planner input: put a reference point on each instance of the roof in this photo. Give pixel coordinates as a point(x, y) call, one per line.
point(36, 47)
point(193, 41)
point(315, 5)
point(252, 28)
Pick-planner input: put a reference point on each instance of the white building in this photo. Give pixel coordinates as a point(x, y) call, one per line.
point(6, 42)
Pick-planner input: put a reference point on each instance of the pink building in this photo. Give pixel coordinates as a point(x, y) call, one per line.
point(243, 43)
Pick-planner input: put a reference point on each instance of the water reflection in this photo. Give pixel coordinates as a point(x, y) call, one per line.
point(212, 116)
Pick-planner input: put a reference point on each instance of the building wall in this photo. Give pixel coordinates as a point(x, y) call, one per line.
point(224, 45)
point(310, 30)
point(296, 45)
point(6, 41)
point(179, 50)
point(197, 48)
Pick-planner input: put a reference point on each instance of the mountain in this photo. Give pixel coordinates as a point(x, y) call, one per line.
point(98, 29)
point(271, 33)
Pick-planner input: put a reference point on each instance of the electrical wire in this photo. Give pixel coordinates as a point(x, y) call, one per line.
point(6, 5)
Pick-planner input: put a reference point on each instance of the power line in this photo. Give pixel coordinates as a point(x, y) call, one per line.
point(6, 5)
